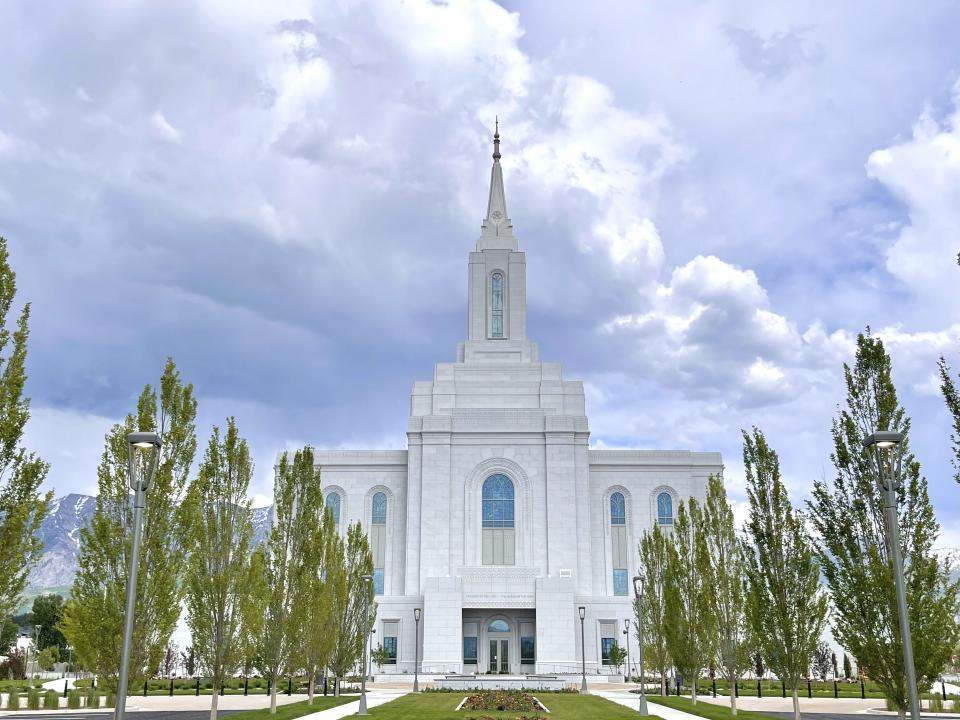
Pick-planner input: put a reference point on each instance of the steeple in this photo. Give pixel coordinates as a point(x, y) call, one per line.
point(496, 230)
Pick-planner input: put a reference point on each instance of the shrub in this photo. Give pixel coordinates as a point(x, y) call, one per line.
point(111, 700)
point(13, 699)
point(51, 700)
point(891, 705)
point(936, 703)
point(93, 698)
point(33, 699)
point(74, 699)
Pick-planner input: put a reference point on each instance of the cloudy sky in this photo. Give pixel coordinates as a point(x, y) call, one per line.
point(714, 199)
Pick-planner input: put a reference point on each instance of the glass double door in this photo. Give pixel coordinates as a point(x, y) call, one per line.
point(499, 656)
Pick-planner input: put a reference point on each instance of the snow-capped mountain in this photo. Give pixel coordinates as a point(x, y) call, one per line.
point(60, 532)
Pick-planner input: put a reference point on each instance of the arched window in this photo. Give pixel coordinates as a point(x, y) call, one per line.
point(496, 305)
point(378, 539)
point(333, 505)
point(618, 542)
point(665, 509)
point(498, 526)
point(498, 626)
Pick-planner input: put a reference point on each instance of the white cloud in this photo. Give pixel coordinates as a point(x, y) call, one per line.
point(163, 129)
point(72, 442)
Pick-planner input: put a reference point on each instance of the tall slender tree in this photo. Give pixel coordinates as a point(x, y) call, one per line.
point(785, 605)
point(848, 514)
point(217, 533)
point(355, 609)
point(952, 397)
point(690, 631)
point(93, 616)
point(651, 612)
point(22, 505)
point(726, 591)
point(314, 611)
point(296, 511)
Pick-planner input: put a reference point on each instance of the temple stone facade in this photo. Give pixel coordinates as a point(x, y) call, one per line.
point(498, 520)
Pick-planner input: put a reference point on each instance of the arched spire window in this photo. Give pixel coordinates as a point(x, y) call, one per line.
point(378, 539)
point(498, 520)
point(618, 543)
point(665, 509)
point(333, 505)
point(496, 305)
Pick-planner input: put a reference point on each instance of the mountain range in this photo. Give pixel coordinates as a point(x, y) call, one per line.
point(60, 533)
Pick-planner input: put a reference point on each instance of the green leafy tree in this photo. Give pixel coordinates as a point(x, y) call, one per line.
point(355, 609)
point(287, 549)
point(380, 655)
point(785, 605)
point(821, 661)
point(47, 612)
point(726, 592)
point(217, 535)
point(22, 506)
point(254, 609)
point(650, 612)
point(847, 667)
point(618, 656)
point(691, 628)
point(952, 397)
point(48, 657)
point(849, 516)
point(315, 609)
point(93, 616)
point(8, 634)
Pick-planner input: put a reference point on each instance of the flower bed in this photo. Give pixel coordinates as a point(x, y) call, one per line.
point(502, 700)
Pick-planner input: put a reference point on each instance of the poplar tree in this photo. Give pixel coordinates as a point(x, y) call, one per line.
point(314, 602)
point(727, 592)
point(93, 617)
point(690, 630)
point(217, 534)
point(22, 506)
point(849, 516)
point(355, 609)
point(651, 611)
point(785, 604)
point(952, 397)
point(296, 511)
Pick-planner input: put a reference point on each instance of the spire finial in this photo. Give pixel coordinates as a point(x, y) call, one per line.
point(496, 138)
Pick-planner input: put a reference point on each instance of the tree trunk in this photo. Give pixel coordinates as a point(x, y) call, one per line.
point(273, 699)
point(693, 691)
point(214, 701)
point(309, 690)
point(336, 687)
point(902, 712)
point(733, 696)
point(796, 703)
point(663, 683)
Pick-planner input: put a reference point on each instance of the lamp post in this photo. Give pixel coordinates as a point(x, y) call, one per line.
point(143, 452)
point(626, 631)
point(889, 485)
point(583, 651)
point(36, 647)
point(367, 579)
point(638, 592)
point(416, 650)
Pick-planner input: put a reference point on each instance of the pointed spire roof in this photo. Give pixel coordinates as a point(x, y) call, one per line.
point(496, 225)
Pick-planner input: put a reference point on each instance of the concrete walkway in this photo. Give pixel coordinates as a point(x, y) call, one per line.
point(374, 698)
point(621, 695)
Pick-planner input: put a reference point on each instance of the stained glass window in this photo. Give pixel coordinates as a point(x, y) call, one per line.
point(333, 504)
point(665, 508)
point(379, 509)
point(606, 645)
point(618, 509)
point(498, 626)
point(498, 502)
point(496, 305)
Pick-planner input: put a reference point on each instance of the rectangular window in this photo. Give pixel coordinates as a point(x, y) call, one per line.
point(470, 651)
point(528, 650)
point(390, 641)
point(606, 645)
point(608, 638)
point(620, 586)
point(498, 546)
point(378, 581)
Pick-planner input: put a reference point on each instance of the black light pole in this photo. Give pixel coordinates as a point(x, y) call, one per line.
point(889, 484)
point(638, 592)
point(416, 650)
point(367, 579)
point(626, 631)
point(583, 651)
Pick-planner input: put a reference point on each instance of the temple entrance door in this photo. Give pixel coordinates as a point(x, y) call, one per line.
point(500, 656)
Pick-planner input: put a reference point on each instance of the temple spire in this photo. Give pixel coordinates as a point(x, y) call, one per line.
point(497, 224)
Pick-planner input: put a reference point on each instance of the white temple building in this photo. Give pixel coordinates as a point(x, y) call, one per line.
point(498, 520)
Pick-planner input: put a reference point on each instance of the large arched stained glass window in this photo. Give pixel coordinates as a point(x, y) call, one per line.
point(665, 508)
point(378, 539)
point(496, 305)
point(333, 505)
point(618, 542)
point(498, 520)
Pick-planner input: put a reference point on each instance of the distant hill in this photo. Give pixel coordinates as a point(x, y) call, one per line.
point(60, 532)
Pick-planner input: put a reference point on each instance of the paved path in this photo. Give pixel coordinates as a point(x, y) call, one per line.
point(623, 696)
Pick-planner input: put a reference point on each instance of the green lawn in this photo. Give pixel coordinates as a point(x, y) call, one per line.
point(294, 710)
point(705, 709)
point(442, 706)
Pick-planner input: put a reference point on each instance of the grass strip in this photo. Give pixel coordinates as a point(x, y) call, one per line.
point(706, 709)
